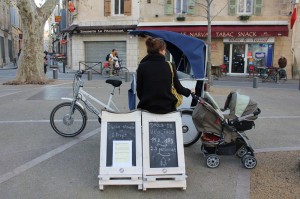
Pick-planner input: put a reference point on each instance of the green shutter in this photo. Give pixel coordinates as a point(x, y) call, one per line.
point(258, 7)
point(169, 7)
point(191, 7)
point(232, 7)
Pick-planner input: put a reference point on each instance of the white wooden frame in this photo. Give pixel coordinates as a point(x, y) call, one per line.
point(120, 175)
point(169, 177)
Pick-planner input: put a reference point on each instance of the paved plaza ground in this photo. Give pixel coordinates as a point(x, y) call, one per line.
point(38, 163)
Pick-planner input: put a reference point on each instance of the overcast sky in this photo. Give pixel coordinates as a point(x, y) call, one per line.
point(39, 1)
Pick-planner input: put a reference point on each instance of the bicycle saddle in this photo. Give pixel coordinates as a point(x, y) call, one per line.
point(114, 82)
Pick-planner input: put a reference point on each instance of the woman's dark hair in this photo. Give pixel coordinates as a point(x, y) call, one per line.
point(154, 45)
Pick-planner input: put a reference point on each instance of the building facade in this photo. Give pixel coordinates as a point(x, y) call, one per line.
point(244, 32)
point(97, 27)
point(10, 32)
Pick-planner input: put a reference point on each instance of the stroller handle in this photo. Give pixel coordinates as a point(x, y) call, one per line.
point(195, 97)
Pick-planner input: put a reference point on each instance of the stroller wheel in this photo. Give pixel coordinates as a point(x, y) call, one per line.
point(242, 151)
point(249, 161)
point(212, 161)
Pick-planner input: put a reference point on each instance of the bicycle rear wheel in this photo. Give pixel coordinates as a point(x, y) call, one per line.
point(68, 125)
point(105, 72)
point(122, 72)
point(190, 133)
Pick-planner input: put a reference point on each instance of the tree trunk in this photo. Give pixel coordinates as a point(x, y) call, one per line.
point(31, 62)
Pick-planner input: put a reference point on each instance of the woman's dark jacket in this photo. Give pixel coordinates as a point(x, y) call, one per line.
point(154, 80)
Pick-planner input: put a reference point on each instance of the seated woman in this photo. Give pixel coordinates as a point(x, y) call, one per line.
point(154, 80)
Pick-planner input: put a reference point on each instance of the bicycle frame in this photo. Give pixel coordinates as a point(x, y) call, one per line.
point(84, 94)
point(80, 94)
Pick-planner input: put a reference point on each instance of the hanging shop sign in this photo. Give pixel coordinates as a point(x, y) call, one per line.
point(57, 19)
point(63, 41)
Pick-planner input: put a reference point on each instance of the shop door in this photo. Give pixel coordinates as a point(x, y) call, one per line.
point(238, 56)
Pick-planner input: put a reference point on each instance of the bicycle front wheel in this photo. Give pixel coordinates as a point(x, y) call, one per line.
point(65, 124)
point(122, 72)
point(190, 133)
point(105, 72)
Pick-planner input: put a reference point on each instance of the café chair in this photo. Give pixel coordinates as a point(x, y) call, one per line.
point(223, 69)
point(252, 71)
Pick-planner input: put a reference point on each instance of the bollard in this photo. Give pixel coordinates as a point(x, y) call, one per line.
point(255, 82)
point(299, 84)
point(64, 67)
point(55, 73)
point(89, 75)
point(127, 76)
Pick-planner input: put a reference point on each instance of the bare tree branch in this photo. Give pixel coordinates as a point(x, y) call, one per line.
point(219, 11)
point(47, 8)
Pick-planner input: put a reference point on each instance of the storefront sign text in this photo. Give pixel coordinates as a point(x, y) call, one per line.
point(99, 31)
point(216, 34)
point(249, 40)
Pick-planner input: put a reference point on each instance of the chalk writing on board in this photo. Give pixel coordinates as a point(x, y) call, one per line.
point(120, 131)
point(162, 144)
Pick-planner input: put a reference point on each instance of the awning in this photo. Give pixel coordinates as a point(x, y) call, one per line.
point(226, 31)
point(69, 29)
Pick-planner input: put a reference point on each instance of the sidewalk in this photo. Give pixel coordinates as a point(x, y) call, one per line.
point(9, 66)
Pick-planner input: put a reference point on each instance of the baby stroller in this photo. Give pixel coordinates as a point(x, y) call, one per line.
point(223, 131)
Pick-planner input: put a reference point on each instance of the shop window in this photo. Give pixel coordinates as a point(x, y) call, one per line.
point(260, 55)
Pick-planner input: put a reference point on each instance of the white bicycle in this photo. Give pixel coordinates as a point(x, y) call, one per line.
point(69, 119)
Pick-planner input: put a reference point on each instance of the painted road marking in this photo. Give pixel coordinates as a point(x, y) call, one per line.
point(46, 156)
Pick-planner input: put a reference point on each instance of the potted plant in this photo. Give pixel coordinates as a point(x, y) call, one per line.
point(180, 17)
point(244, 17)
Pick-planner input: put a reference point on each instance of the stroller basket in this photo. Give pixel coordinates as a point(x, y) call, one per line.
point(243, 125)
point(210, 138)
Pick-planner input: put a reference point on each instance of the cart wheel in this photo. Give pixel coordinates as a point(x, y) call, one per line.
point(212, 161)
point(241, 152)
point(249, 161)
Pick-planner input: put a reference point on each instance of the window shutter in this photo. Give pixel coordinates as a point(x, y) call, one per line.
point(258, 7)
point(169, 7)
point(191, 7)
point(127, 7)
point(232, 7)
point(107, 8)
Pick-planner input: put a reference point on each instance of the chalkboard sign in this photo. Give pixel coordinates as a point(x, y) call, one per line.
point(120, 131)
point(163, 144)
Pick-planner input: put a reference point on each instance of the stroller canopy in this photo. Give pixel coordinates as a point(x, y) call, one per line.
point(239, 105)
point(178, 44)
